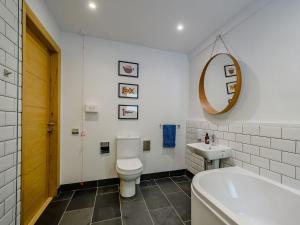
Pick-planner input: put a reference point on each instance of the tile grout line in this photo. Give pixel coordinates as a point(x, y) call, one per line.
point(107, 220)
point(96, 194)
point(170, 203)
point(181, 188)
point(59, 200)
point(66, 208)
point(74, 210)
point(148, 210)
point(120, 205)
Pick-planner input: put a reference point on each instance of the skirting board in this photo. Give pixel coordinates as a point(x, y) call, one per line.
point(112, 181)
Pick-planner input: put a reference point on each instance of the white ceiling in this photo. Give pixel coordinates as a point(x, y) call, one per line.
point(150, 23)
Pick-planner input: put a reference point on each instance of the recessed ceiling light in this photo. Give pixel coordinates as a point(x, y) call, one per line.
point(180, 27)
point(92, 5)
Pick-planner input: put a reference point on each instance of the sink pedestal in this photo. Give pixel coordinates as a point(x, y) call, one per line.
point(216, 163)
point(211, 164)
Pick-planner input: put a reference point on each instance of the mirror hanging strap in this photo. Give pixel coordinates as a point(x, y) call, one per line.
point(219, 37)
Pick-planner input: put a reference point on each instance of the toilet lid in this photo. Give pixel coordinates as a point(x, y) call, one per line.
point(129, 164)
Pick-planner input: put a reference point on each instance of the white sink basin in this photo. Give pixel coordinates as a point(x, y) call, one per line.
point(210, 152)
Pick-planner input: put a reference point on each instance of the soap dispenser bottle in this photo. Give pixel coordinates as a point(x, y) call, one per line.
point(206, 139)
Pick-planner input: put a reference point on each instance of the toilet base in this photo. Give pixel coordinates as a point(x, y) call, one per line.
point(127, 188)
point(138, 180)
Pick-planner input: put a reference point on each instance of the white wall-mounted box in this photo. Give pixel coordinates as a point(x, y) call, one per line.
point(91, 108)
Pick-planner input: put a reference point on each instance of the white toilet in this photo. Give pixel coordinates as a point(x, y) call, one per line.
point(129, 166)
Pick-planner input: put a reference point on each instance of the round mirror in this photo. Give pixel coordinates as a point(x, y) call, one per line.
point(220, 84)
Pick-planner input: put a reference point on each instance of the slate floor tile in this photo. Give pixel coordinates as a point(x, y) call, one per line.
point(83, 199)
point(150, 205)
point(167, 185)
point(146, 183)
point(186, 187)
point(78, 217)
point(135, 213)
point(154, 197)
point(108, 189)
point(107, 207)
point(164, 180)
point(53, 213)
point(182, 204)
point(165, 216)
point(116, 221)
point(64, 195)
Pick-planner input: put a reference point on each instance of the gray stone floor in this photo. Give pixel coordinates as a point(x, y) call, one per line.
point(164, 201)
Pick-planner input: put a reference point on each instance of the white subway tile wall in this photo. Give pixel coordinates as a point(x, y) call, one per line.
point(10, 157)
point(271, 150)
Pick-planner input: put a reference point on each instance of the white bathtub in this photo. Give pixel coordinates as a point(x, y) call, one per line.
point(235, 196)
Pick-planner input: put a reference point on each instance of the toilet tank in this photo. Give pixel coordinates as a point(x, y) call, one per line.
point(128, 147)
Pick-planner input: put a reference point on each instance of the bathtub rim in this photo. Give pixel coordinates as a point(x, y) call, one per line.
point(225, 215)
point(220, 210)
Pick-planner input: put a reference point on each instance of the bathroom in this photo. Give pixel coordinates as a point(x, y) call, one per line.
point(115, 112)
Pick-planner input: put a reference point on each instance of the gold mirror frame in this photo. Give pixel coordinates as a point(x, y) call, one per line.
point(202, 96)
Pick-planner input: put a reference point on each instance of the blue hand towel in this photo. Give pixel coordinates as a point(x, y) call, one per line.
point(169, 136)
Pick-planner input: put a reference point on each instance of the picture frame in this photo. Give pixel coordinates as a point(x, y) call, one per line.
point(128, 69)
point(231, 87)
point(128, 112)
point(127, 90)
point(230, 70)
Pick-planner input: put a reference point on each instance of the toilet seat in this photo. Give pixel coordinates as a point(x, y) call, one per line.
point(129, 166)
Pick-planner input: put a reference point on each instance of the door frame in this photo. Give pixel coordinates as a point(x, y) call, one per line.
point(30, 20)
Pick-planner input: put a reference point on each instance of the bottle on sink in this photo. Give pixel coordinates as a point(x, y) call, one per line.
point(206, 138)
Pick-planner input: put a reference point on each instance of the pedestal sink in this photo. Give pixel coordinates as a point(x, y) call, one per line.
point(211, 152)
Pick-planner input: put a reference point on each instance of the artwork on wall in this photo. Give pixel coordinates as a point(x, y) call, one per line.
point(231, 87)
point(128, 69)
point(230, 70)
point(128, 112)
point(128, 90)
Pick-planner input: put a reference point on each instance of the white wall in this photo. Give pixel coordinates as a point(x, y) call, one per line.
point(163, 98)
point(267, 47)
point(47, 19)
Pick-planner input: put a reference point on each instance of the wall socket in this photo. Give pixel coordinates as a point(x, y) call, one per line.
point(146, 145)
point(104, 147)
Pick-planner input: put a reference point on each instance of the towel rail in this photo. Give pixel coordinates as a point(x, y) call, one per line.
point(177, 125)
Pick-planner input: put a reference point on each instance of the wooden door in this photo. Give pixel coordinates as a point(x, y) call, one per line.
point(40, 111)
point(35, 119)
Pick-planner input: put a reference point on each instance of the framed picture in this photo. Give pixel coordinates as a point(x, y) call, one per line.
point(128, 90)
point(128, 112)
point(230, 70)
point(231, 87)
point(128, 69)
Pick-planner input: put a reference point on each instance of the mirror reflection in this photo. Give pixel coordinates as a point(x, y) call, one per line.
point(220, 84)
